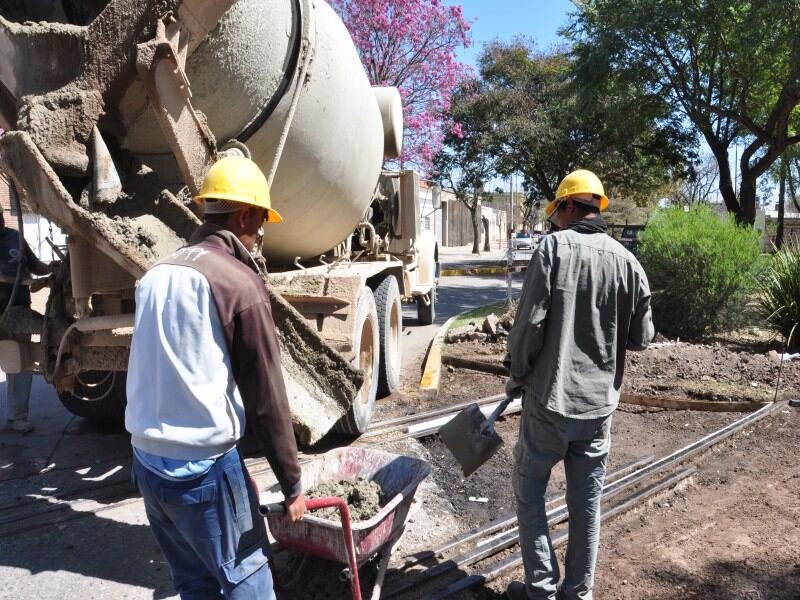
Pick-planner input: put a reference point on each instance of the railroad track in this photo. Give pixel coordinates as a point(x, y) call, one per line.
point(493, 550)
point(71, 505)
point(82, 501)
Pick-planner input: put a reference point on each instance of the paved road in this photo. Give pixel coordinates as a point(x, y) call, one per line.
point(97, 546)
point(456, 295)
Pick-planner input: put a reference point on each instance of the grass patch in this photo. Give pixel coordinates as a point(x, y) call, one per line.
point(477, 315)
point(719, 391)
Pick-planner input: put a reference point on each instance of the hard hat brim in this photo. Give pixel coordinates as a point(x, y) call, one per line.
point(273, 216)
point(550, 208)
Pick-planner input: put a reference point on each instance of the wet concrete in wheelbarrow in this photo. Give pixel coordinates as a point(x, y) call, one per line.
point(364, 498)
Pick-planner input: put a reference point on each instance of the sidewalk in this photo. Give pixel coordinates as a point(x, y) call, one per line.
point(459, 260)
point(451, 255)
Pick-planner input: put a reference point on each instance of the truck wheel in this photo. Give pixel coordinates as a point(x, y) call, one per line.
point(366, 348)
point(97, 395)
point(390, 320)
point(426, 314)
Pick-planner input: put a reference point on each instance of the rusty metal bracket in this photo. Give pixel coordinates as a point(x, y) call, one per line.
point(308, 304)
point(185, 130)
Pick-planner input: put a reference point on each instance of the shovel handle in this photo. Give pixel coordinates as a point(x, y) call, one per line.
point(489, 423)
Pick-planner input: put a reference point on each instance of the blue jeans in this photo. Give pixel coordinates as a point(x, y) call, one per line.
point(545, 439)
point(210, 531)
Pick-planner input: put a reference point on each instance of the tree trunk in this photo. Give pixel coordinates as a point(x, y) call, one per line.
point(747, 199)
point(792, 190)
point(485, 222)
point(781, 197)
point(475, 213)
point(751, 171)
point(726, 187)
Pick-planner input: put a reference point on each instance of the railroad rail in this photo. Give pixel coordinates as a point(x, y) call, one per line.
point(78, 502)
point(486, 553)
point(636, 483)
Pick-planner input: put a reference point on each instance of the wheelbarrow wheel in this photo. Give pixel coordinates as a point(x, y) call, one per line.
point(366, 348)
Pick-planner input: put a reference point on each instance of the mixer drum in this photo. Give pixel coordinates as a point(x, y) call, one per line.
point(243, 76)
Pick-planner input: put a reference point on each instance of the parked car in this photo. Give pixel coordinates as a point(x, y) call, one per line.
point(522, 240)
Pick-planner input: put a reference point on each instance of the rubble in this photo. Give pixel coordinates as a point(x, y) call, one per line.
point(491, 329)
point(491, 324)
point(459, 334)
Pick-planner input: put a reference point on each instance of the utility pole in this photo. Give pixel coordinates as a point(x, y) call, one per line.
point(510, 252)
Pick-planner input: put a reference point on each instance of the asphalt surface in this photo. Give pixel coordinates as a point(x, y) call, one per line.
point(456, 295)
point(99, 545)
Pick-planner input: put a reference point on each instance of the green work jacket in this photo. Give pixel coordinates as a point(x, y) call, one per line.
point(584, 302)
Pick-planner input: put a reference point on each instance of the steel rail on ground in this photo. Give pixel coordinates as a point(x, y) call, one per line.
point(515, 560)
point(20, 523)
point(508, 539)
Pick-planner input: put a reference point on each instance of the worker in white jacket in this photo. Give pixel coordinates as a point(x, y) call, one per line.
point(585, 302)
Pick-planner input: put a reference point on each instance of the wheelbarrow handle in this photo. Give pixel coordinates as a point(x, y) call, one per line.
point(274, 508)
point(489, 423)
point(279, 508)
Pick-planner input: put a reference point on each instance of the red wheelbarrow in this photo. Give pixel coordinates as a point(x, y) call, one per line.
point(351, 543)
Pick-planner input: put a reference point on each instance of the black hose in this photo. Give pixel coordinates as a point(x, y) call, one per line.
point(20, 227)
point(288, 75)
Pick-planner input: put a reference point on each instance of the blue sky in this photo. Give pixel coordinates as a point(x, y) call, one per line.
point(506, 19)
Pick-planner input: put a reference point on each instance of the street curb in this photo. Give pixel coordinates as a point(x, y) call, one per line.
point(494, 270)
point(432, 369)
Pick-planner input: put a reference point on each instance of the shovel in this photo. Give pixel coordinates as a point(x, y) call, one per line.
point(471, 437)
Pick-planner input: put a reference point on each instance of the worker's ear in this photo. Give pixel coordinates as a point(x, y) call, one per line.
point(240, 218)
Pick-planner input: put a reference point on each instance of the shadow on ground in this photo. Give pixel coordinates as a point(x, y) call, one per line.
point(730, 580)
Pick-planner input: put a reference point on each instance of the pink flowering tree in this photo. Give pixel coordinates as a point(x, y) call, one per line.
point(411, 45)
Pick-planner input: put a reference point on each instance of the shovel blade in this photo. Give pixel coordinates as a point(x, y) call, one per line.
point(470, 443)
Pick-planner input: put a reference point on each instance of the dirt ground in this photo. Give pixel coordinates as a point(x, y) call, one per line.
point(731, 532)
point(739, 369)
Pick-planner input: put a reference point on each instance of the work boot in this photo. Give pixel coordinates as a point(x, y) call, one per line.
point(22, 426)
point(516, 590)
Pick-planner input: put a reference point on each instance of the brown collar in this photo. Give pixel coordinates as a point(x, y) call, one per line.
point(218, 238)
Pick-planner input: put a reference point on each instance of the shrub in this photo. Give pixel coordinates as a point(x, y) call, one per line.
point(779, 300)
point(701, 270)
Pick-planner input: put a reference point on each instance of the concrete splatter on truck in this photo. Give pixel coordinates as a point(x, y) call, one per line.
point(115, 109)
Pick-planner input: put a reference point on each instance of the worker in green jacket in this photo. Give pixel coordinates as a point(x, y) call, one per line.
point(585, 302)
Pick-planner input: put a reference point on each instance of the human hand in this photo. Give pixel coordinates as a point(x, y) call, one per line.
point(514, 386)
point(295, 508)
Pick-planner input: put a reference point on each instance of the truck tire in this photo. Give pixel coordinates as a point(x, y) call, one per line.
point(426, 314)
point(367, 354)
point(390, 320)
point(98, 395)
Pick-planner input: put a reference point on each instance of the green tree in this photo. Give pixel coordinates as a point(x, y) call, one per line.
point(730, 67)
point(467, 161)
point(543, 127)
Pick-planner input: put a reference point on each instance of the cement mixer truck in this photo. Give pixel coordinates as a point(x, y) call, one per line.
point(115, 109)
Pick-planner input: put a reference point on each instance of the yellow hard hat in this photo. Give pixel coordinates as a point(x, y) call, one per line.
point(238, 179)
point(577, 183)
